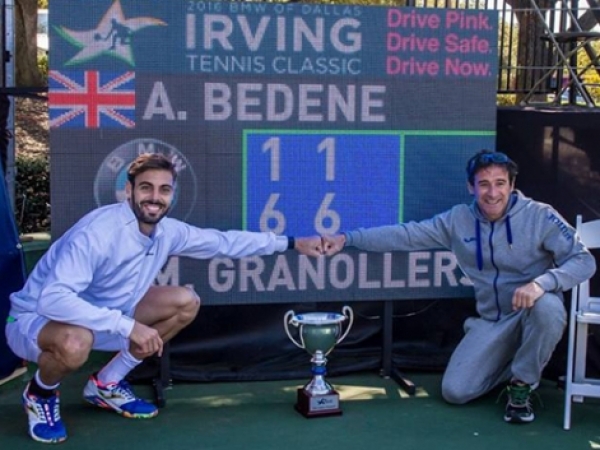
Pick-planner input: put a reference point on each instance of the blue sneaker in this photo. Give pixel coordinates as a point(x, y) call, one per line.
point(118, 397)
point(45, 424)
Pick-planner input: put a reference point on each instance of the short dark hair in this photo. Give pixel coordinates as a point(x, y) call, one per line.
point(487, 158)
point(150, 161)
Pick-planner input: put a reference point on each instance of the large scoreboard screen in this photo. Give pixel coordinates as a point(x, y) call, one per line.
point(299, 119)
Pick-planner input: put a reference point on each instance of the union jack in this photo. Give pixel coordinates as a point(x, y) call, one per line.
point(91, 99)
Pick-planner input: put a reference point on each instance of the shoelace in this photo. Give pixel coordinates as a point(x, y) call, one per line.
point(521, 396)
point(48, 409)
point(121, 389)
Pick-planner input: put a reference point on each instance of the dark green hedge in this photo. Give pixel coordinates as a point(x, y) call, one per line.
point(32, 193)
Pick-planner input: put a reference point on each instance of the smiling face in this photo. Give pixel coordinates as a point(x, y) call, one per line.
point(492, 188)
point(150, 197)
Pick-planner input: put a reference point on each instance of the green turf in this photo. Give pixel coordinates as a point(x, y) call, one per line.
point(260, 415)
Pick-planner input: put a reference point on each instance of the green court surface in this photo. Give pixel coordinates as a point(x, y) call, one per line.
point(377, 414)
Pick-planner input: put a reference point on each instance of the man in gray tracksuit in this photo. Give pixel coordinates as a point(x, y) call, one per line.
point(520, 255)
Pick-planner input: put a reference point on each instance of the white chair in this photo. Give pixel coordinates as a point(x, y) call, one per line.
point(585, 310)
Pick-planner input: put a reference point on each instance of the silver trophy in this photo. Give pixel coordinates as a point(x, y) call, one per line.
point(319, 333)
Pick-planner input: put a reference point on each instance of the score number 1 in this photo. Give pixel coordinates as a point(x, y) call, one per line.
point(274, 220)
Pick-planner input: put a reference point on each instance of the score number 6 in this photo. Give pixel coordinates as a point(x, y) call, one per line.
point(272, 219)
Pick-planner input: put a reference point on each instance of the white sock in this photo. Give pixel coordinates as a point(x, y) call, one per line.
point(42, 385)
point(117, 368)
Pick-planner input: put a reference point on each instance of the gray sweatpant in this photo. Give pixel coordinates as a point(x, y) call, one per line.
point(517, 346)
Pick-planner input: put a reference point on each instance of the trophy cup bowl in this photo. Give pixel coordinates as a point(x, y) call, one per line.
point(319, 333)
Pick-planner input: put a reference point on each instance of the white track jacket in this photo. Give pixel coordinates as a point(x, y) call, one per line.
point(97, 272)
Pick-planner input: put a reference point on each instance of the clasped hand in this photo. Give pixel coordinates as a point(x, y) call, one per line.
point(320, 245)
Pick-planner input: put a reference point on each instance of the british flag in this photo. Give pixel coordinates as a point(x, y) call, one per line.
point(91, 99)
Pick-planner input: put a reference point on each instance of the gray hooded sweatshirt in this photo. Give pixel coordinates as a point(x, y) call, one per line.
point(531, 242)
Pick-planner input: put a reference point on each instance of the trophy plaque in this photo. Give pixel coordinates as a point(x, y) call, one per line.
point(319, 333)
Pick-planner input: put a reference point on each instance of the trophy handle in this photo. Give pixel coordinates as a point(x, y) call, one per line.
point(346, 311)
point(286, 321)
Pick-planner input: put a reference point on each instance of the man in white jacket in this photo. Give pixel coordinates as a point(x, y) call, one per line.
point(93, 289)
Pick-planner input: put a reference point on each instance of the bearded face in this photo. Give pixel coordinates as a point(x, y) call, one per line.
point(151, 197)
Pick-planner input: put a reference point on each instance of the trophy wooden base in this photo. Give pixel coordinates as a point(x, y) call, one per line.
point(318, 405)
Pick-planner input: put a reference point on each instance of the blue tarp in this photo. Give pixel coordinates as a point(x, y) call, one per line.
point(12, 273)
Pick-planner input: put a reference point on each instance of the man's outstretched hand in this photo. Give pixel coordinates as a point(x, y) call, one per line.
point(320, 245)
point(310, 246)
point(333, 244)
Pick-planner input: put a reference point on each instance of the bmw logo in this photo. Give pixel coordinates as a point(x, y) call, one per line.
point(109, 185)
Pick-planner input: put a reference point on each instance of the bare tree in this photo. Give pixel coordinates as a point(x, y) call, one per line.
point(27, 73)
